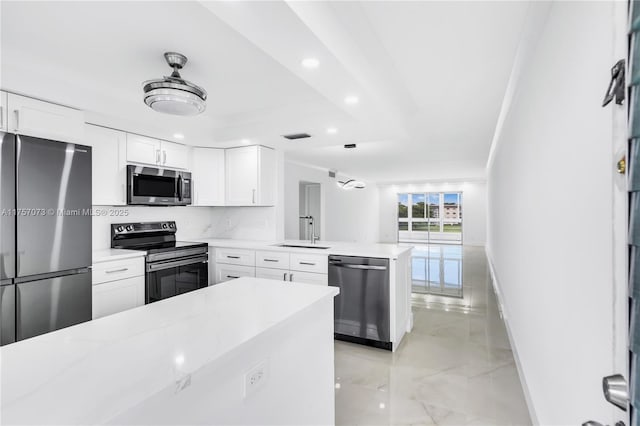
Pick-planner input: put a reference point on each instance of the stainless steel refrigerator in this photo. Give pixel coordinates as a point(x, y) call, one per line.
point(45, 236)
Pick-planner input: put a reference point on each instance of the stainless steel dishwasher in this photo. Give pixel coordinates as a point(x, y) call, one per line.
point(362, 309)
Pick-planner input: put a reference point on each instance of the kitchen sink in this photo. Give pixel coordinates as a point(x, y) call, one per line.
point(303, 246)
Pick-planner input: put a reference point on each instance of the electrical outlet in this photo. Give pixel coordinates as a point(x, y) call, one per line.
point(255, 378)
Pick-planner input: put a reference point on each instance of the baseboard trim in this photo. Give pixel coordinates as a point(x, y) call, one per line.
point(505, 316)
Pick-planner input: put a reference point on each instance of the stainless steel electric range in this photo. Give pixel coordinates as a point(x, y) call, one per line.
point(171, 267)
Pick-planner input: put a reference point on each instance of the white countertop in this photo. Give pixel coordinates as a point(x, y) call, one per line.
point(108, 255)
point(390, 251)
point(90, 372)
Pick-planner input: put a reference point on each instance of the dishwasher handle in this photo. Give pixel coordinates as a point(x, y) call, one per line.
point(364, 267)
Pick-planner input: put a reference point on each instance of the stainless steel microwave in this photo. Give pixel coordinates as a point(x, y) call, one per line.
point(150, 186)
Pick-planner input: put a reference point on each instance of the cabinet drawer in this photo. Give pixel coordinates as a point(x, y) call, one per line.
point(226, 272)
point(236, 256)
point(308, 262)
point(117, 270)
point(309, 278)
point(272, 274)
point(272, 259)
point(117, 296)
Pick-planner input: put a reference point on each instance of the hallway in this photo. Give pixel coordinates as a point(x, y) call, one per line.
point(455, 368)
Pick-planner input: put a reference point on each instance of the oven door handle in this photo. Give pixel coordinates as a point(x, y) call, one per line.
point(159, 266)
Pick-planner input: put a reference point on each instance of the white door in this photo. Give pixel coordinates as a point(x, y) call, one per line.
point(174, 155)
point(117, 296)
point(242, 176)
point(109, 165)
point(272, 274)
point(141, 149)
point(207, 176)
point(3, 111)
point(28, 116)
point(309, 278)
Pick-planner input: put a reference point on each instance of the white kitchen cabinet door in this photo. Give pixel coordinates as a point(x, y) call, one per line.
point(32, 117)
point(3, 111)
point(141, 149)
point(251, 176)
point(208, 176)
point(272, 274)
point(242, 176)
point(225, 272)
point(109, 165)
point(174, 155)
point(309, 278)
point(117, 296)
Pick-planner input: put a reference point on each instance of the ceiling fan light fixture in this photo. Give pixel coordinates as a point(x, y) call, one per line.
point(174, 95)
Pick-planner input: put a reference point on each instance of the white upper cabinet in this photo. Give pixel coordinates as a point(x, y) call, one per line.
point(208, 176)
point(250, 176)
point(141, 149)
point(109, 158)
point(174, 155)
point(28, 116)
point(145, 150)
point(3, 111)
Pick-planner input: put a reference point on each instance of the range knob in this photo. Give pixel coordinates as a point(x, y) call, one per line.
point(164, 226)
point(172, 225)
point(129, 228)
point(119, 229)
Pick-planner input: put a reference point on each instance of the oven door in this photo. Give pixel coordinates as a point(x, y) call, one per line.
point(173, 277)
point(151, 186)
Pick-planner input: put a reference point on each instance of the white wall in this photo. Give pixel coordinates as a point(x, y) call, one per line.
point(550, 210)
point(346, 215)
point(474, 208)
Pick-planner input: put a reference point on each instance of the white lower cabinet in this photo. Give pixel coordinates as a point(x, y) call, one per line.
point(225, 272)
point(117, 296)
point(309, 278)
point(272, 274)
point(305, 268)
point(118, 285)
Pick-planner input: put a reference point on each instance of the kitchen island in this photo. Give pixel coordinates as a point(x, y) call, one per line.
point(302, 262)
point(250, 351)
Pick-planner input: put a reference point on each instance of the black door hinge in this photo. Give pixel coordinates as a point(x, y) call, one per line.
point(617, 85)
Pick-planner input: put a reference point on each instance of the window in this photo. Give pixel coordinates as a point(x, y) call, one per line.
point(430, 216)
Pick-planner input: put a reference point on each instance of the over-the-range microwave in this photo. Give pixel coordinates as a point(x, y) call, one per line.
point(150, 186)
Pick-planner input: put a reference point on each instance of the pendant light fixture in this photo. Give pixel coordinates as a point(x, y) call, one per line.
point(351, 184)
point(173, 94)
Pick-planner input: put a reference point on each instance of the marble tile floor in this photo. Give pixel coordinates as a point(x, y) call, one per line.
point(455, 368)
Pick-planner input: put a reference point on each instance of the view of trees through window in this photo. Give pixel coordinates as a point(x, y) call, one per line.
point(430, 216)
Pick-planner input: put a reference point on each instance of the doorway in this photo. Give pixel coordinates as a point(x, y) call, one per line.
point(310, 205)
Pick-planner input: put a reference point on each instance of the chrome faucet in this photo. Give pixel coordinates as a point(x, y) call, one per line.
point(314, 237)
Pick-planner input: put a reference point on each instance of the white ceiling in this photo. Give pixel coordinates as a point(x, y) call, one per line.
point(430, 75)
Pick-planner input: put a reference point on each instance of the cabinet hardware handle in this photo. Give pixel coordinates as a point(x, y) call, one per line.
point(164, 157)
point(1, 115)
point(233, 257)
point(113, 271)
point(308, 263)
point(290, 277)
point(284, 277)
point(271, 260)
point(157, 156)
point(253, 196)
point(232, 276)
point(17, 113)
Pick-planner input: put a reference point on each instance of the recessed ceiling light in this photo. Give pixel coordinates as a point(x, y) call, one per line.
point(310, 63)
point(332, 130)
point(178, 135)
point(351, 100)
